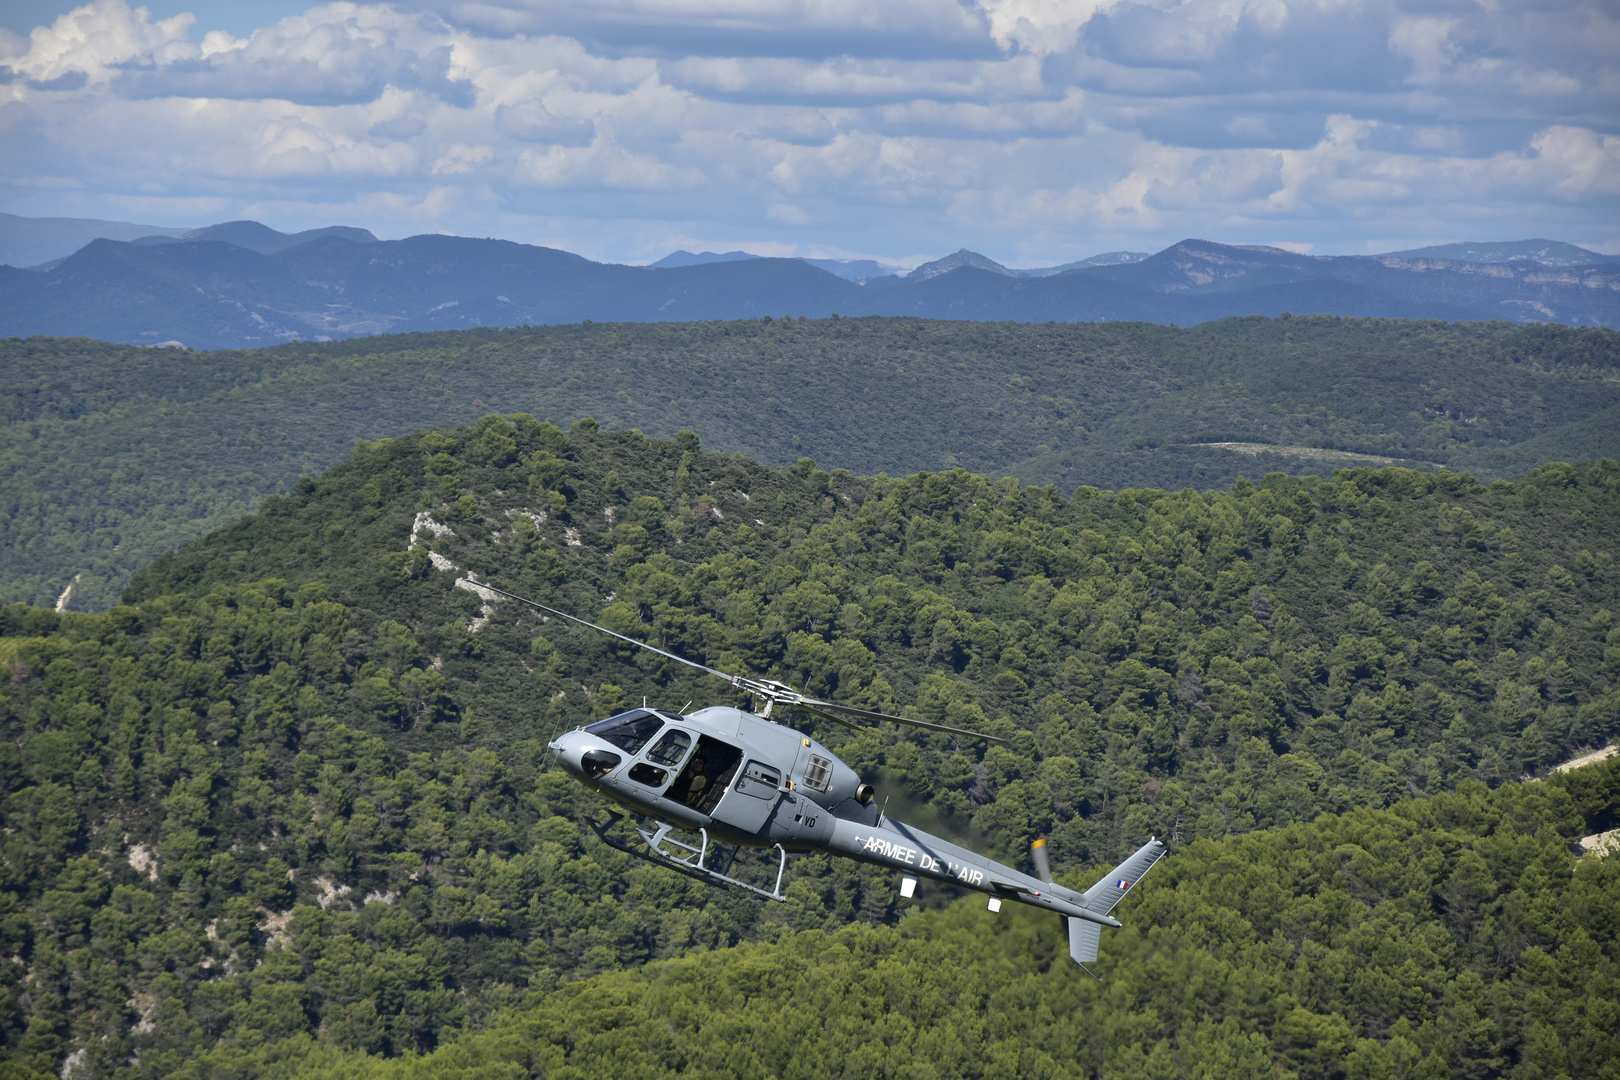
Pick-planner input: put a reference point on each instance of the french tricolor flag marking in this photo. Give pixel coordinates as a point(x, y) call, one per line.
point(1122, 884)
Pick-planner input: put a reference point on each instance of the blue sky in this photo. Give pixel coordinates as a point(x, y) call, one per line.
point(1035, 131)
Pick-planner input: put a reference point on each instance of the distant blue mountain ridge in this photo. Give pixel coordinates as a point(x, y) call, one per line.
point(867, 269)
point(848, 269)
point(244, 285)
point(686, 258)
point(1545, 252)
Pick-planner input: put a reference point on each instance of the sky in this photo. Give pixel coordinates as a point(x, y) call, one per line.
point(1034, 131)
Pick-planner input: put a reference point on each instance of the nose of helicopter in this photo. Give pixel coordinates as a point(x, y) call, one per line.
point(583, 755)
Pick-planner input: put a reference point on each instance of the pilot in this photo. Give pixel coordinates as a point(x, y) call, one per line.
point(699, 783)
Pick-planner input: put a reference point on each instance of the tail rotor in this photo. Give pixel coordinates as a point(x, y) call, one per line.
point(1043, 868)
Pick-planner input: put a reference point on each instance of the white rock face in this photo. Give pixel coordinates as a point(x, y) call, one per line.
point(425, 524)
point(1588, 759)
point(483, 592)
point(144, 860)
point(426, 527)
point(331, 892)
point(489, 596)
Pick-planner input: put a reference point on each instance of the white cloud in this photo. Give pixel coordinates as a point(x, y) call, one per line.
point(1041, 26)
point(92, 39)
point(1033, 129)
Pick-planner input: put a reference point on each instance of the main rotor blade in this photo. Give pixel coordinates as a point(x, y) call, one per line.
point(835, 718)
point(867, 714)
point(760, 688)
point(610, 633)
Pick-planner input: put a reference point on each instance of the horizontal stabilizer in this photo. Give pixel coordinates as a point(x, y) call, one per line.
point(1084, 936)
point(1102, 896)
point(1006, 885)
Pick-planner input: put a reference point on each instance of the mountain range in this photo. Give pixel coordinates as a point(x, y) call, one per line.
point(243, 285)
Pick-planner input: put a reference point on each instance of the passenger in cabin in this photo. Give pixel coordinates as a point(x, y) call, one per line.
point(699, 783)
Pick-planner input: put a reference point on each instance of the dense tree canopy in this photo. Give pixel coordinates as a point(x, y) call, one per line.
point(289, 802)
point(110, 455)
point(1448, 937)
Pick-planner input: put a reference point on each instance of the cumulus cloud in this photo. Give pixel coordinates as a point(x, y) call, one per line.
point(342, 54)
point(1036, 130)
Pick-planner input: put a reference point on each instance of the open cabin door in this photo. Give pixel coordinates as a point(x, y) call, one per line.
point(707, 775)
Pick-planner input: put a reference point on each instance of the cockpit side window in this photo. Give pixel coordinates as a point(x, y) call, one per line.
point(671, 748)
point(629, 731)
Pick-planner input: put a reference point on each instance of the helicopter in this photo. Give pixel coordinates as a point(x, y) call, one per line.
point(720, 775)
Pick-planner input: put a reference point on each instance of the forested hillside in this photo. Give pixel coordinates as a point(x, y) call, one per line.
point(111, 455)
point(1450, 937)
point(290, 800)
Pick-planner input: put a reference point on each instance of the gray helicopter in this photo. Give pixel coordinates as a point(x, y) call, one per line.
point(743, 779)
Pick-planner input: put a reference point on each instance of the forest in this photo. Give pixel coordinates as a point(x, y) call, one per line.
point(111, 455)
point(286, 809)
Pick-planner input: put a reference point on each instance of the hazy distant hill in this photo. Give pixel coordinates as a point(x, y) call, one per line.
point(26, 241)
point(1107, 258)
point(687, 258)
point(848, 269)
point(853, 269)
point(262, 238)
point(243, 285)
point(972, 259)
point(1546, 252)
point(958, 260)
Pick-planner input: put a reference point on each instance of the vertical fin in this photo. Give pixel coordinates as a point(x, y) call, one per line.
point(1084, 937)
point(1102, 896)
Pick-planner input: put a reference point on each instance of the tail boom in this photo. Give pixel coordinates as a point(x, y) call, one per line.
point(916, 853)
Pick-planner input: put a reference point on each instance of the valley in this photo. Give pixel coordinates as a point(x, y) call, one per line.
point(111, 455)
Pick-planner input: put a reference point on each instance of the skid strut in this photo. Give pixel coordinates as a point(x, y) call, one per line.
point(686, 859)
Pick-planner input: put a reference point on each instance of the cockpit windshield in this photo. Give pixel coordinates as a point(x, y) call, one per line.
point(629, 731)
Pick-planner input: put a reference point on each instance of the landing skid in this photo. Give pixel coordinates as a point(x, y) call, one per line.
point(686, 859)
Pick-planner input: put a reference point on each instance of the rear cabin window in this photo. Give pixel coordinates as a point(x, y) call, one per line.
point(818, 774)
point(629, 731)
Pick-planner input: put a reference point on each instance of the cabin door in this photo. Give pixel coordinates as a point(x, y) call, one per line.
point(749, 803)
